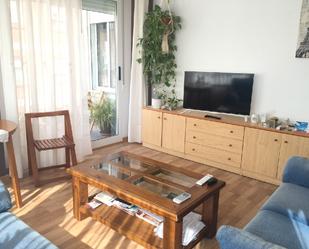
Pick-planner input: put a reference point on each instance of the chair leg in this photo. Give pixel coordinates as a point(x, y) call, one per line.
point(67, 158)
point(73, 154)
point(34, 165)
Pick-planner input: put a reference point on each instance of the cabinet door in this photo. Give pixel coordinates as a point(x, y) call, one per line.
point(173, 137)
point(292, 146)
point(152, 127)
point(261, 152)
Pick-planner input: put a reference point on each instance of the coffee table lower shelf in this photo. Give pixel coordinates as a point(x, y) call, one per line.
point(131, 226)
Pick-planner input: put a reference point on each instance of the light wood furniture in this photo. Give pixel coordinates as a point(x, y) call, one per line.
point(261, 153)
point(10, 127)
point(153, 121)
point(145, 182)
point(291, 145)
point(66, 142)
point(173, 135)
point(229, 143)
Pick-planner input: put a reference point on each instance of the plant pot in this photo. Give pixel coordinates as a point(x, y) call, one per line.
point(156, 103)
point(106, 130)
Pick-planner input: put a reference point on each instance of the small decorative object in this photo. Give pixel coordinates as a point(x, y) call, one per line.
point(246, 118)
point(156, 103)
point(303, 39)
point(273, 122)
point(157, 95)
point(169, 29)
point(263, 118)
point(254, 118)
point(301, 126)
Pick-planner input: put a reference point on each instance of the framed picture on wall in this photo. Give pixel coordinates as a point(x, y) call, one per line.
point(303, 38)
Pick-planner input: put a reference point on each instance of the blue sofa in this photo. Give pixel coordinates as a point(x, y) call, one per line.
point(15, 234)
point(283, 221)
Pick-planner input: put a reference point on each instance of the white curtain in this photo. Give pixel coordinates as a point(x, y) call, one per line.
point(137, 82)
point(49, 71)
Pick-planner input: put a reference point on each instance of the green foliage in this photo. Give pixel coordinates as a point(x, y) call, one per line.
point(170, 100)
point(104, 115)
point(159, 67)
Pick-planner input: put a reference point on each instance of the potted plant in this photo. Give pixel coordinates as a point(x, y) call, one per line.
point(103, 114)
point(170, 100)
point(158, 48)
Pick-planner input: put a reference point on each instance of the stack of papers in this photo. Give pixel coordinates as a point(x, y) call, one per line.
point(149, 217)
point(192, 225)
point(94, 204)
point(125, 206)
point(105, 198)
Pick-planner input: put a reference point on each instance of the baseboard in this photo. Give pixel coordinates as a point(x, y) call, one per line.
point(260, 177)
point(158, 148)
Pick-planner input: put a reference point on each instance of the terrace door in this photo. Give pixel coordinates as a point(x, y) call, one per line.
point(102, 36)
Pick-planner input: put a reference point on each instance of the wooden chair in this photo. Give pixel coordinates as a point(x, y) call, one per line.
point(66, 142)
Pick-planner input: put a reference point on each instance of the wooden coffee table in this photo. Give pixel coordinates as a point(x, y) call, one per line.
point(148, 184)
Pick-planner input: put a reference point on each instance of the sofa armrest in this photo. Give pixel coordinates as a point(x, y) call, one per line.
point(231, 238)
point(5, 199)
point(297, 171)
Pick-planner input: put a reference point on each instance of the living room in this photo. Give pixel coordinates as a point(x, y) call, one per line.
point(134, 102)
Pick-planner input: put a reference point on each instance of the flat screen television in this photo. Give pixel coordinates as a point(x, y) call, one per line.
point(218, 92)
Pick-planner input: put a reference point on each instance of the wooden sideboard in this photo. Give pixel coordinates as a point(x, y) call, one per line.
point(229, 143)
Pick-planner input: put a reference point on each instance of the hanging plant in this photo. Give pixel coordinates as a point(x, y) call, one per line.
point(158, 46)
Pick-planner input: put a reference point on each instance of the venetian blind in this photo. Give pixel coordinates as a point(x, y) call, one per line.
point(104, 6)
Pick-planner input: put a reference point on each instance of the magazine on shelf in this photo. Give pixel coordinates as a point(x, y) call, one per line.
point(105, 198)
point(93, 204)
point(192, 225)
point(149, 217)
point(125, 206)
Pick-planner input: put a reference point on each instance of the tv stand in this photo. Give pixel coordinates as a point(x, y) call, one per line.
point(212, 116)
point(228, 143)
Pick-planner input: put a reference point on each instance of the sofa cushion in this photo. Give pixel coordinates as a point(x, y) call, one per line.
point(5, 199)
point(16, 234)
point(290, 200)
point(232, 238)
point(297, 171)
point(279, 229)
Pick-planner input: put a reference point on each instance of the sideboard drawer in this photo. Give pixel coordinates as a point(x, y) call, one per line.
point(216, 155)
point(216, 128)
point(214, 141)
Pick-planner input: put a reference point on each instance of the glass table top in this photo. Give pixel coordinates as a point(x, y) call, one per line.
point(175, 177)
point(161, 180)
point(158, 188)
point(111, 170)
point(132, 163)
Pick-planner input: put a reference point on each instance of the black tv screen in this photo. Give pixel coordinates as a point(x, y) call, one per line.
point(218, 92)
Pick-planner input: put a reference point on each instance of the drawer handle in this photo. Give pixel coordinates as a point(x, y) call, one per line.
point(276, 140)
point(231, 131)
point(229, 159)
point(286, 142)
point(159, 117)
point(193, 149)
point(230, 145)
point(165, 118)
point(194, 137)
point(195, 125)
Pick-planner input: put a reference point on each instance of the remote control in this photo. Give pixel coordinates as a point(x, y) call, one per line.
point(212, 116)
point(212, 181)
point(204, 179)
point(181, 198)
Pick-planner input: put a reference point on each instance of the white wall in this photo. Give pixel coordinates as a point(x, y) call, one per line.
point(249, 36)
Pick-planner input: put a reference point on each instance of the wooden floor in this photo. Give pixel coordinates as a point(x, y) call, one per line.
point(48, 209)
